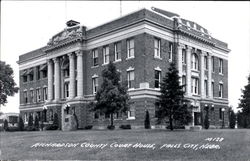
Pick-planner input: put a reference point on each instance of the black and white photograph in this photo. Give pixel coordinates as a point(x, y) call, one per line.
point(125, 80)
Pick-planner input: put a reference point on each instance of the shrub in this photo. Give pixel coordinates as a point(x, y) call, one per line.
point(36, 124)
point(232, 120)
point(5, 125)
point(52, 127)
point(88, 127)
point(56, 120)
point(30, 122)
point(13, 129)
point(125, 126)
point(147, 121)
point(30, 128)
point(176, 127)
point(206, 122)
point(111, 127)
point(21, 124)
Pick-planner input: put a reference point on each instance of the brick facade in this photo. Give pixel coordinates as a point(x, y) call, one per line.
point(144, 27)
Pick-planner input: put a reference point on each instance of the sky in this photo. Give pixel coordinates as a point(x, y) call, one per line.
point(28, 25)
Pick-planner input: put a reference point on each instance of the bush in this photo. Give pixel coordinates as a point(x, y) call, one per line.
point(206, 122)
point(13, 129)
point(176, 127)
point(56, 120)
point(52, 127)
point(88, 127)
point(111, 127)
point(125, 126)
point(30, 122)
point(21, 124)
point(36, 124)
point(232, 120)
point(31, 128)
point(5, 125)
point(147, 121)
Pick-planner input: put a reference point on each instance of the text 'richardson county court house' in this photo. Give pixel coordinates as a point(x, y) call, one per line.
point(63, 76)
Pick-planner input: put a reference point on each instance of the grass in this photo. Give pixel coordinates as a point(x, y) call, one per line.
point(17, 145)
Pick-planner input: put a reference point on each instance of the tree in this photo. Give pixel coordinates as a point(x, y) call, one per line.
point(30, 121)
point(5, 125)
point(112, 97)
point(232, 119)
point(20, 124)
point(7, 83)
point(36, 124)
point(245, 104)
point(147, 121)
point(172, 103)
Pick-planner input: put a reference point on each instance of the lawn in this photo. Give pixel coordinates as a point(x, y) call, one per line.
point(128, 145)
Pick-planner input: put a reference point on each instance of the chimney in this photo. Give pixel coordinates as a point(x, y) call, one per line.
point(71, 23)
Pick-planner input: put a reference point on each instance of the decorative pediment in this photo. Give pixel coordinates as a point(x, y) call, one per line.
point(67, 33)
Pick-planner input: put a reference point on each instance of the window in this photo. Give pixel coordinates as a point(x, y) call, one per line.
point(170, 52)
point(205, 63)
point(157, 48)
point(195, 86)
point(212, 92)
point(205, 88)
point(184, 83)
point(105, 55)
point(220, 66)
point(220, 90)
point(131, 78)
point(25, 78)
point(130, 48)
point(66, 89)
point(131, 112)
point(95, 57)
point(96, 115)
point(25, 96)
point(38, 95)
point(195, 62)
point(31, 77)
point(38, 72)
point(118, 51)
point(43, 70)
point(213, 63)
point(32, 96)
point(184, 59)
point(157, 78)
point(45, 93)
point(95, 84)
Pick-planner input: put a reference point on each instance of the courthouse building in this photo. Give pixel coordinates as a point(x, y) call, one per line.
point(63, 76)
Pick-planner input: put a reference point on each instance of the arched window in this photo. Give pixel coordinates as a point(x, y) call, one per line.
point(195, 62)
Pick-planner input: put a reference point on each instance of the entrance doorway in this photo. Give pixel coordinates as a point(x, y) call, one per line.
point(197, 118)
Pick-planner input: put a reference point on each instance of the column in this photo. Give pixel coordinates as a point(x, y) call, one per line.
point(209, 78)
point(189, 48)
point(79, 73)
point(50, 80)
point(202, 74)
point(179, 48)
point(71, 75)
point(57, 78)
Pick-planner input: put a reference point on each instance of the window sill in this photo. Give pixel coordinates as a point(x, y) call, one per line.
point(95, 66)
point(131, 89)
point(130, 58)
point(221, 74)
point(116, 61)
point(159, 58)
point(104, 64)
point(131, 118)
